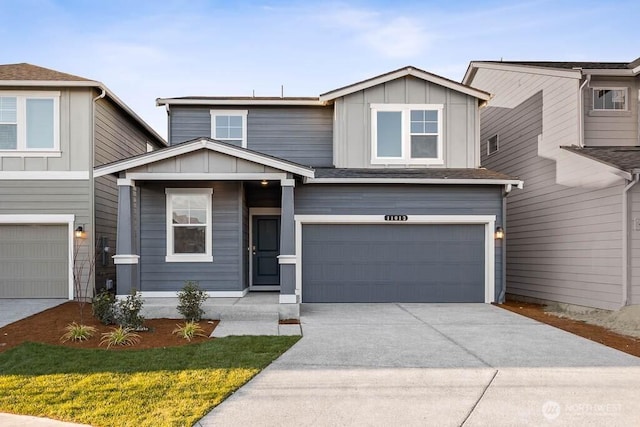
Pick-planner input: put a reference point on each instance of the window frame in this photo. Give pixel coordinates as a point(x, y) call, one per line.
point(593, 98)
point(170, 255)
point(489, 152)
point(405, 110)
point(242, 113)
point(21, 149)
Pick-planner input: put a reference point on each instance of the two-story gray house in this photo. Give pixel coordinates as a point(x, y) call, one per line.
point(54, 128)
point(570, 130)
point(372, 192)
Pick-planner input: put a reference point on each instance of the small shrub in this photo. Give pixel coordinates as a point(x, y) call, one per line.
point(103, 307)
point(119, 336)
point(76, 332)
point(191, 298)
point(127, 313)
point(189, 330)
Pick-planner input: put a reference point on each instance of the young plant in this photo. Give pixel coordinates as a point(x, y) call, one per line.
point(77, 332)
point(190, 299)
point(189, 330)
point(119, 336)
point(127, 313)
point(103, 307)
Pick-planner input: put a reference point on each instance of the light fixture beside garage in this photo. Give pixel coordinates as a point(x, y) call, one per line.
point(499, 233)
point(80, 233)
point(264, 182)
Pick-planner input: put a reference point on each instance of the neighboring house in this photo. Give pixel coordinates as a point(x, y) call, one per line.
point(368, 193)
point(54, 128)
point(570, 131)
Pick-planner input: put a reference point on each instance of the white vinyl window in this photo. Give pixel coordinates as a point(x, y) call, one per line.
point(229, 126)
point(492, 144)
point(406, 133)
point(610, 99)
point(29, 123)
point(189, 225)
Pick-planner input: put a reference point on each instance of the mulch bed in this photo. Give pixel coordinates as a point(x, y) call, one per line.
point(595, 333)
point(48, 326)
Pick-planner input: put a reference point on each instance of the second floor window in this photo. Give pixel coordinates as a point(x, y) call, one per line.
point(609, 98)
point(229, 126)
point(406, 133)
point(29, 122)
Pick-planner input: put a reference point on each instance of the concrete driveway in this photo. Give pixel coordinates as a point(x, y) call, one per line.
point(436, 364)
point(12, 310)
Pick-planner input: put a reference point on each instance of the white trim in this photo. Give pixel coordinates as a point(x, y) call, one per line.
point(287, 259)
point(174, 294)
point(127, 182)
point(411, 181)
point(207, 256)
point(62, 219)
point(189, 147)
point(178, 176)
point(126, 259)
point(405, 136)
point(242, 113)
point(408, 71)
point(287, 182)
point(239, 101)
point(264, 288)
point(531, 69)
point(44, 175)
point(256, 212)
point(22, 97)
point(610, 72)
point(288, 299)
point(487, 220)
point(30, 153)
point(593, 98)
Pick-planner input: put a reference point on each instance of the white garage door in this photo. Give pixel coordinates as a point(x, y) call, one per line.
point(34, 261)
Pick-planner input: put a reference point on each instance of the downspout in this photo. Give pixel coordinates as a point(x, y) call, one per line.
point(503, 291)
point(166, 106)
point(581, 110)
point(92, 183)
point(625, 238)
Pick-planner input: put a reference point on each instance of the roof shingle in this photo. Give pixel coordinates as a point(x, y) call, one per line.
point(29, 72)
point(623, 158)
point(414, 173)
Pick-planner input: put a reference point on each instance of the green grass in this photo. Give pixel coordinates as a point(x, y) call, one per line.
point(173, 386)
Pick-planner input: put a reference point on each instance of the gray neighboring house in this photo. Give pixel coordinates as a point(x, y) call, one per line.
point(570, 130)
point(54, 128)
point(368, 193)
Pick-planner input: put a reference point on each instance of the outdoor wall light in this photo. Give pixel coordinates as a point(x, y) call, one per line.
point(80, 233)
point(264, 182)
point(499, 233)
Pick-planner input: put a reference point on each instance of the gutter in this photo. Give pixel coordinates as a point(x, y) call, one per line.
point(518, 183)
point(625, 239)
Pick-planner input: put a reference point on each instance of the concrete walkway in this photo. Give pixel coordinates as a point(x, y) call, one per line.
point(12, 310)
point(436, 364)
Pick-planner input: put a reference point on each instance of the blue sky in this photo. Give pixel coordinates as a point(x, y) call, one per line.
point(143, 50)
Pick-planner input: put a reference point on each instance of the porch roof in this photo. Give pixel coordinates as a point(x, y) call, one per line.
point(199, 165)
point(625, 158)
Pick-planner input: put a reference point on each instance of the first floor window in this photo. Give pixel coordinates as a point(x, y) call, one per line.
point(407, 133)
point(29, 121)
point(229, 126)
point(189, 224)
point(609, 98)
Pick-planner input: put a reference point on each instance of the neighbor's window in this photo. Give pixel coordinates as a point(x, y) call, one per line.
point(29, 122)
point(610, 98)
point(406, 133)
point(492, 144)
point(229, 126)
point(189, 225)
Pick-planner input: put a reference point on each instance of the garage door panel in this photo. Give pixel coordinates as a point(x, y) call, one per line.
point(393, 263)
point(34, 261)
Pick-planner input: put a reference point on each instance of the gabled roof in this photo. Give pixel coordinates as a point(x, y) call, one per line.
point(199, 144)
point(403, 72)
point(624, 158)
point(29, 75)
point(569, 65)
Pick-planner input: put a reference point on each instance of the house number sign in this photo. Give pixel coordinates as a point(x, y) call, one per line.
point(396, 217)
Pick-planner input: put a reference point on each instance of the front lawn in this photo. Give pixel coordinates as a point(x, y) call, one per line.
point(173, 386)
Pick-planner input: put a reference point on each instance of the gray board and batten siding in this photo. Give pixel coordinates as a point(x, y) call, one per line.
point(117, 137)
point(564, 243)
point(378, 199)
point(225, 273)
point(303, 135)
point(352, 127)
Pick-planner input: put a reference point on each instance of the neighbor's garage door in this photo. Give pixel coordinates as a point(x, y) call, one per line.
point(34, 261)
point(392, 263)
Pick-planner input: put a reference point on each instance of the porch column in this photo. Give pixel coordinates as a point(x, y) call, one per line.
point(287, 258)
point(126, 260)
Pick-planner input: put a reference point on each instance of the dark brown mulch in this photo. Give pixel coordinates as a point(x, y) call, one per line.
point(48, 326)
point(595, 333)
